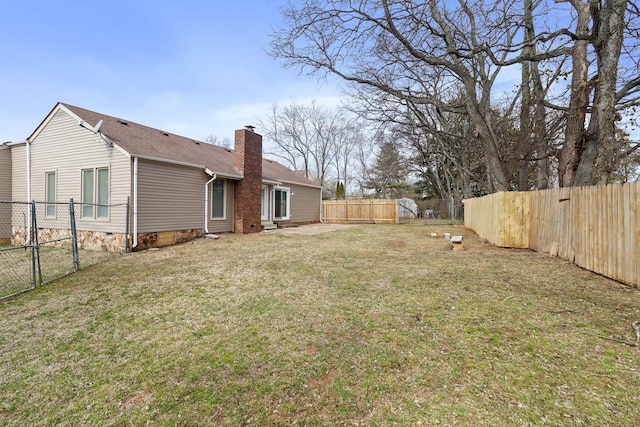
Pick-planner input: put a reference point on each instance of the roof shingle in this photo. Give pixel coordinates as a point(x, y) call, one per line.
point(144, 141)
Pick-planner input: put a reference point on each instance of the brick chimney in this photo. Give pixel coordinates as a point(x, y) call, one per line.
point(248, 197)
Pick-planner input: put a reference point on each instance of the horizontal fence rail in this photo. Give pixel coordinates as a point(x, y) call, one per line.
point(597, 228)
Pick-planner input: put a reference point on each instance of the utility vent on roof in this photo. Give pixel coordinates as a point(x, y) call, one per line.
point(165, 133)
point(196, 142)
point(122, 122)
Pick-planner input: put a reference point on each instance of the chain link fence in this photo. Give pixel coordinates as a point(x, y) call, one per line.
point(17, 259)
point(56, 244)
point(39, 244)
point(441, 211)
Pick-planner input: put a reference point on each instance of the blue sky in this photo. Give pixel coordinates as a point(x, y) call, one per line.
point(194, 68)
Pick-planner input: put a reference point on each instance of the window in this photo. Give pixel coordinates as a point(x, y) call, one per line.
point(87, 193)
point(217, 199)
point(50, 194)
point(102, 198)
point(281, 203)
point(95, 193)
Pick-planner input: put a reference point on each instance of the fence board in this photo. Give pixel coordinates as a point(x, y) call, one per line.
point(377, 211)
point(635, 195)
point(597, 228)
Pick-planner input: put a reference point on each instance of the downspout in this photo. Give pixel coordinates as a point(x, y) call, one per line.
point(135, 202)
point(28, 236)
point(321, 207)
point(206, 204)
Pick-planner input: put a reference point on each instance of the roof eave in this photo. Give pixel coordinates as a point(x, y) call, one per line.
point(302, 184)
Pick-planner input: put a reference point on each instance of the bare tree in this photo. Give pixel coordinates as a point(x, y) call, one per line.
point(314, 139)
point(292, 135)
point(602, 148)
point(347, 136)
point(224, 142)
point(599, 91)
point(412, 54)
point(396, 48)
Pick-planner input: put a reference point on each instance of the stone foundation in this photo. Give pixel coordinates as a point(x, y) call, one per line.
point(101, 241)
point(110, 242)
point(92, 240)
point(158, 239)
point(18, 235)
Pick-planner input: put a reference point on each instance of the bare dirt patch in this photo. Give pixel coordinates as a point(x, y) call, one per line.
point(313, 229)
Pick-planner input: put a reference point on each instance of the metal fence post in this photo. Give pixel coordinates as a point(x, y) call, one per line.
point(452, 209)
point(34, 240)
point(74, 236)
point(30, 236)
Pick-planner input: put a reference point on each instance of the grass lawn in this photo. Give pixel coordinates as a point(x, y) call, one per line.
point(370, 325)
point(16, 265)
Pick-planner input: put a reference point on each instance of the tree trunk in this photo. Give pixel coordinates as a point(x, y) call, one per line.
point(540, 131)
point(525, 127)
point(607, 45)
point(579, 101)
point(494, 163)
point(540, 134)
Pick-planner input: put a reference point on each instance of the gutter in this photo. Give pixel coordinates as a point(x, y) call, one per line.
point(28, 237)
point(191, 165)
point(321, 207)
point(206, 204)
point(290, 182)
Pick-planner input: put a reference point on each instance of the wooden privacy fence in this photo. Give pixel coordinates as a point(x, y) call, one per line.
point(597, 228)
point(377, 211)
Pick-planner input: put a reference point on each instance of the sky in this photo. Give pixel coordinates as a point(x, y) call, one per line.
point(191, 67)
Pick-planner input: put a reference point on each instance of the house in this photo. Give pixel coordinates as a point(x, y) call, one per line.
point(176, 188)
point(5, 193)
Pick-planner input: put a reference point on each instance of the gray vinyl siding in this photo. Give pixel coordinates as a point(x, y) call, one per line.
point(65, 148)
point(19, 184)
point(305, 203)
point(223, 225)
point(171, 197)
point(5, 192)
point(19, 172)
point(5, 173)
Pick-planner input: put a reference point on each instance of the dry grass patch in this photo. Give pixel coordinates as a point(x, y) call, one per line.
point(371, 325)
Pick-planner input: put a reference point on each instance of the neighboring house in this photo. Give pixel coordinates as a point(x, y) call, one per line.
point(178, 188)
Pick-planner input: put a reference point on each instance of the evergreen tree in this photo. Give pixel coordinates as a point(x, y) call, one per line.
point(388, 172)
point(340, 191)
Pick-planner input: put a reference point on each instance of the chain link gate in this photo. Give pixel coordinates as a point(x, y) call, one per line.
point(56, 243)
point(38, 244)
point(17, 251)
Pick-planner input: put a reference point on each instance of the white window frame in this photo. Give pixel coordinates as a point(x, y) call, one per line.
point(95, 210)
point(264, 203)
point(50, 206)
point(224, 201)
point(287, 191)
